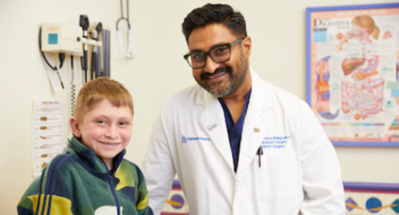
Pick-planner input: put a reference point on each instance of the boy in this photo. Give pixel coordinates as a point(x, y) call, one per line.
point(91, 176)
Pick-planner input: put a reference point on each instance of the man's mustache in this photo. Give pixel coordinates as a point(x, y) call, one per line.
point(218, 70)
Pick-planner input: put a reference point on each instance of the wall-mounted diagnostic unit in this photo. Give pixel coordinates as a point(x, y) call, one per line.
point(75, 41)
point(62, 38)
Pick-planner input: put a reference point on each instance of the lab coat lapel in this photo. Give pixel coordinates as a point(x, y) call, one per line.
point(212, 121)
point(256, 125)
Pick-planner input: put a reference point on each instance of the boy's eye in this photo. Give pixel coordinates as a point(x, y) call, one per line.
point(100, 122)
point(122, 123)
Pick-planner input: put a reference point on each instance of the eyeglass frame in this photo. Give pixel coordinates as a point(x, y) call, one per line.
point(208, 53)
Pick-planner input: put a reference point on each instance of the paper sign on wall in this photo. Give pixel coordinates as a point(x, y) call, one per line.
point(47, 131)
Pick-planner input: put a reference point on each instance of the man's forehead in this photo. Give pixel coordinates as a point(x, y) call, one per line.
point(202, 38)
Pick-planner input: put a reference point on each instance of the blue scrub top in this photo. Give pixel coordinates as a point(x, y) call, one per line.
point(235, 130)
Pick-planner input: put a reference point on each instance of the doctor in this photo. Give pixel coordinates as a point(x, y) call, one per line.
point(238, 144)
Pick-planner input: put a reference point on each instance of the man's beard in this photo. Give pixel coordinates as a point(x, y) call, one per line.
point(235, 80)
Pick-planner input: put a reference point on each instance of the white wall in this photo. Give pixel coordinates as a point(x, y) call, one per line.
point(277, 29)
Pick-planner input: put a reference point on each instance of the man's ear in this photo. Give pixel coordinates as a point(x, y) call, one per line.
point(74, 124)
point(247, 45)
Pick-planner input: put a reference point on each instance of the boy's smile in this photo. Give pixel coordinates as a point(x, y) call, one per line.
point(106, 129)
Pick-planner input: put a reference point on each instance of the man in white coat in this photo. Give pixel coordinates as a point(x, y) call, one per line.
point(238, 144)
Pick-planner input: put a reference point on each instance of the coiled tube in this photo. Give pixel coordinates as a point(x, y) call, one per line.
point(73, 90)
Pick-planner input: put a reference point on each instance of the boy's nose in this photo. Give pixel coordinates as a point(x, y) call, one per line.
point(111, 132)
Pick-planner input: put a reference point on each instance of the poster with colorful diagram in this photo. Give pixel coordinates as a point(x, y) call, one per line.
point(353, 72)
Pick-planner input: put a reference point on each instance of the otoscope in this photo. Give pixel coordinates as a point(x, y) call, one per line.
point(84, 23)
point(94, 64)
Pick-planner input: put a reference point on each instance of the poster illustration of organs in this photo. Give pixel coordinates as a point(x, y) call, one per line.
point(353, 75)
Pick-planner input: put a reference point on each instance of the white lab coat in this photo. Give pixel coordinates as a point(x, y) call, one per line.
point(298, 171)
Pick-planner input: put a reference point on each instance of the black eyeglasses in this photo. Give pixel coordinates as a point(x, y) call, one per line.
point(219, 54)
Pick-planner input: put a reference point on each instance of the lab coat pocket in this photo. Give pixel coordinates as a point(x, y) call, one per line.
point(278, 177)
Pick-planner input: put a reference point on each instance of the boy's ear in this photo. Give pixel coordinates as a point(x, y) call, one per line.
point(74, 124)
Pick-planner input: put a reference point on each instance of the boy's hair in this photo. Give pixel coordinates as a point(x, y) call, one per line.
point(212, 14)
point(96, 91)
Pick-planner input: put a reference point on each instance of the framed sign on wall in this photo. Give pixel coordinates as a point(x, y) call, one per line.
point(352, 68)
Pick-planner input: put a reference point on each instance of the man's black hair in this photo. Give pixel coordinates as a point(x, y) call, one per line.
point(215, 13)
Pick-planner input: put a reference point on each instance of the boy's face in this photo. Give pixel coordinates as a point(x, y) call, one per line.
point(106, 129)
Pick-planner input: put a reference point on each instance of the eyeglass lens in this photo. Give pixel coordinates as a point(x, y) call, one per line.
point(218, 54)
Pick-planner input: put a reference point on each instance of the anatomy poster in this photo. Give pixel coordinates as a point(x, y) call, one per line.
point(47, 131)
point(353, 70)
